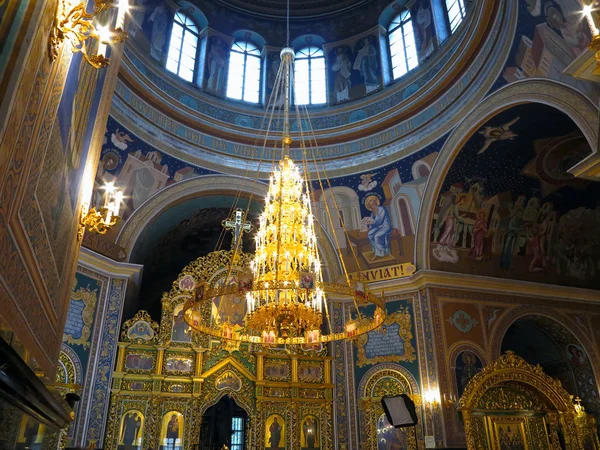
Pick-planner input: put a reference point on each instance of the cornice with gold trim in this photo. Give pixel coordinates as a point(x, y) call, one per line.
point(434, 279)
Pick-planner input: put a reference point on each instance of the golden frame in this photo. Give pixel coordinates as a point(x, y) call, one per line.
point(403, 318)
point(505, 426)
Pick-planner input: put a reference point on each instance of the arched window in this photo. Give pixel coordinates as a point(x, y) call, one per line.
point(402, 44)
point(183, 47)
point(243, 79)
point(456, 13)
point(309, 77)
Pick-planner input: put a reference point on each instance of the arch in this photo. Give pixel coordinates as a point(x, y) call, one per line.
point(370, 399)
point(244, 73)
point(420, 169)
point(175, 193)
point(71, 369)
point(526, 310)
point(574, 333)
point(348, 203)
point(529, 387)
point(182, 54)
point(250, 36)
point(194, 12)
point(402, 45)
point(310, 76)
point(454, 352)
point(209, 185)
point(219, 395)
point(404, 216)
point(534, 90)
point(306, 40)
point(370, 378)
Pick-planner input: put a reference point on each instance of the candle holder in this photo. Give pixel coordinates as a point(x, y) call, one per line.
point(101, 220)
point(76, 24)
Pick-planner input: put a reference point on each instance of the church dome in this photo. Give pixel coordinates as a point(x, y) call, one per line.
point(368, 109)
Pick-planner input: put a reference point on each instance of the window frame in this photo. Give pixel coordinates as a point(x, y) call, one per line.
point(247, 53)
point(185, 29)
point(399, 24)
point(462, 10)
point(311, 53)
point(241, 431)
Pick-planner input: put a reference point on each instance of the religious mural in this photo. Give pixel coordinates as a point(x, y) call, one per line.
point(551, 34)
point(376, 214)
point(467, 366)
point(424, 29)
point(180, 331)
point(136, 168)
point(139, 362)
point(509, 208)
point(231, 308)
point(171, 435)
point(388, 437)
point(354, 69)
point(377, 211)
point(132, 428)
point(510, 435)
point(215, 72)
point(178, 364)
point(310, 437)
point(275, 433)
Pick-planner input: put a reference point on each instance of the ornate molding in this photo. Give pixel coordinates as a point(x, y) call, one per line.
point(512, 368)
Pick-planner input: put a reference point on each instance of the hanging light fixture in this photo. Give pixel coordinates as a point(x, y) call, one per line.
point(286, 295)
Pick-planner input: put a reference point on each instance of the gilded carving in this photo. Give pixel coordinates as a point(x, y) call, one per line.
point(163, 375)
point(512, 404)
point(140, 329)
point(400, 320)
point(89, 299)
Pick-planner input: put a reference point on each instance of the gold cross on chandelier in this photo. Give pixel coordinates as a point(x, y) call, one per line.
point(237, 226)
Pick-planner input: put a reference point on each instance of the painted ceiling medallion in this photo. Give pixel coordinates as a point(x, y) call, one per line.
point(462, 321)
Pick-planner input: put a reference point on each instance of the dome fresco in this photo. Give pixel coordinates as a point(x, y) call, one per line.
point(188, 133)
point(509, 208)
point(366, 110)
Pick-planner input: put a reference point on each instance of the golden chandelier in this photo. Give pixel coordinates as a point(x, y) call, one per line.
point(285, 293)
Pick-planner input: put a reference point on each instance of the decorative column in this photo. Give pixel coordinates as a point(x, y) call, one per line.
point(259, 366)
point(327, 364)
point(294, 369)
point(159, 360)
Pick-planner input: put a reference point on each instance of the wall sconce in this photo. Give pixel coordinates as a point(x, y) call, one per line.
point(100, 221)
point(589, 12)
point(432, 398)
point(450, 401)
point(77, 25)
